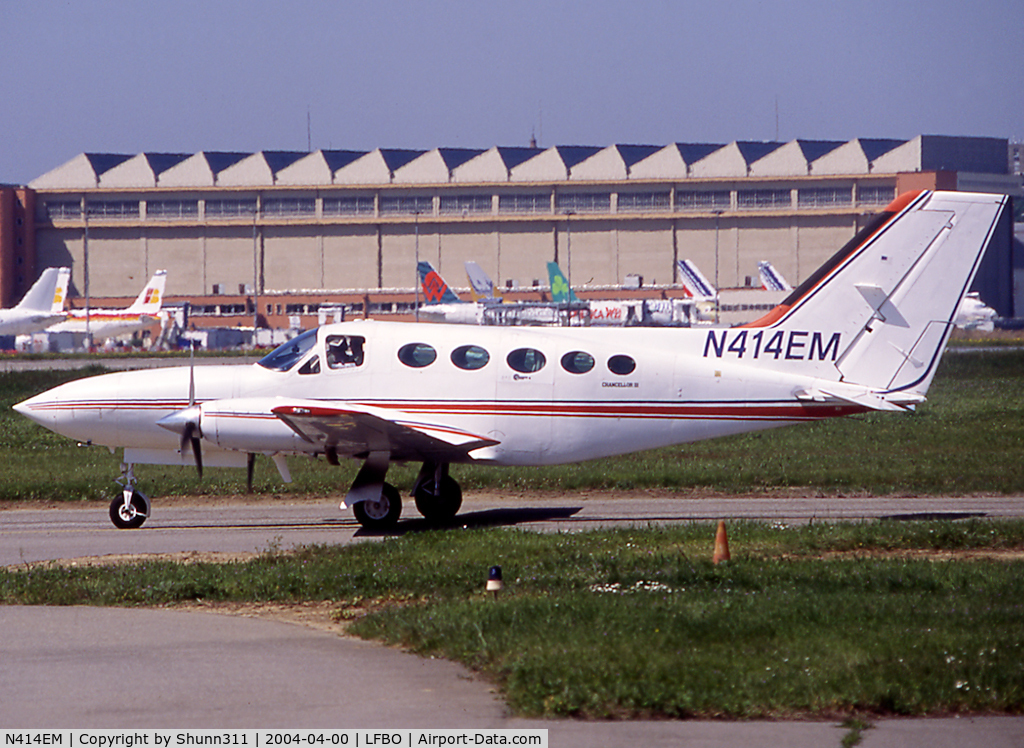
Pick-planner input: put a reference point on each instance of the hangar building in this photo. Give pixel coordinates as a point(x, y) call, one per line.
point(285, 232)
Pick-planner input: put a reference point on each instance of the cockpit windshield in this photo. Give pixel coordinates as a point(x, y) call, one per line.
point(285, 356)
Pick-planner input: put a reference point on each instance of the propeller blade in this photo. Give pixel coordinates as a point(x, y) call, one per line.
point(190, 436)
point(197, 453)
point(250, 468)
point(185, 423)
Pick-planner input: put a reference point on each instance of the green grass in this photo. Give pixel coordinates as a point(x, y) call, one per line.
point(968, 438)
point(639, 622)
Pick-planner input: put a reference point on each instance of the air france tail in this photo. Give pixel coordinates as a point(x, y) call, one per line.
point(695, 283)
point(871, 323)
point(772, 279)
point(152, 296)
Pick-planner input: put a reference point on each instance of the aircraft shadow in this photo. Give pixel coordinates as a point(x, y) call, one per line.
point(931, 516)
point(486, 518)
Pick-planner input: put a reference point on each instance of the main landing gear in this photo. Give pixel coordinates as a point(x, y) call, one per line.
point(377, 505)
point(130, 510)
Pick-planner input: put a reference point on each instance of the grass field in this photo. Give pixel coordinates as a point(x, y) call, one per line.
point(824, 620)
point(968, 438)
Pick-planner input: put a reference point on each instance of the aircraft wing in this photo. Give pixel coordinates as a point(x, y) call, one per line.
point(355, 428)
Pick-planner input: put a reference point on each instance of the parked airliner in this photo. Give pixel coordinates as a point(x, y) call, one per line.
point(109, 323)
point(864, 332)
point(42, 305)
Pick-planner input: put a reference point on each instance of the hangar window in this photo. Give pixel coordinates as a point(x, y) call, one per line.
point(577, 362)
point(417, 355)
point(458, 204)
point(621, 365)
point(112, 209)
point(63, 210)
point(230, 208)
point(583, 202)
point(406, 204)
point(636, 202)
point(289, 206)
point(526, 360)
point(359, 205)
point(875, 195)
point(470, 357)
point(523, 203)
point(763, 199)
point(345, 351)
point(703, 200)
point(172, 208)
point(824, 197)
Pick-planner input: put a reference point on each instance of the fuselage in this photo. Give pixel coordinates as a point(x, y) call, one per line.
point(17, 322)
point(104, 323)
point(545, 395)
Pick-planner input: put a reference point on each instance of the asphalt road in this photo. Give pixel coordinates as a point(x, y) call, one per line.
point(120, 668)
point(61, 531)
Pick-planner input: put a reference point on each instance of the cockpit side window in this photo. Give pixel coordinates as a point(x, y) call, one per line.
point(345, 351)
point(286, 355)
point(311, 367)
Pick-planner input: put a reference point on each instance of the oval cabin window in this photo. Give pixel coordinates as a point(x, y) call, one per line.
point(470, 357)
point(526, 360)
point(417, 355)
point(621, 365)
point(577, 362)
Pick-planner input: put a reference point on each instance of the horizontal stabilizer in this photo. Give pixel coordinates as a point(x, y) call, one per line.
point(897, 401)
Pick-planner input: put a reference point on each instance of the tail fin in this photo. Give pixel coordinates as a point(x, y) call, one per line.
point(60, 292)
point(480, 284)
point(42, 296)
point(881, 309)
point(152, 296)
point(771, 279)
point(561, 291)
point(435, 290)
point(695, 283)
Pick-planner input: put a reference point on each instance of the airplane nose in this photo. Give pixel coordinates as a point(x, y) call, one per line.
point(39, 408)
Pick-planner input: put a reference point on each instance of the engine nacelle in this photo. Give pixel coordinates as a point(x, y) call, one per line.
point(248, 425)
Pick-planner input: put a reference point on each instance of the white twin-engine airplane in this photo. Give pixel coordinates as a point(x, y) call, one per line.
point(109, 323)
point(864, 332)
point(42, 305)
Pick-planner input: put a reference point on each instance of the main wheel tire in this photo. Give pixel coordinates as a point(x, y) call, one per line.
point(381, 514)
point(132, 516)
point(442, 507)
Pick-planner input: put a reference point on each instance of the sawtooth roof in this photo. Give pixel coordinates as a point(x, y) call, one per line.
point(519, 164)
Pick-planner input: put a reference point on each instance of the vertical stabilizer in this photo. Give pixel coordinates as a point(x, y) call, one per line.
point(772, 279)
point(41, 297)
point(888, 299)
point(695, 283)
point(480, 284)
point(561, 291)
point(60, 291)
point(152, 296)
point(435, 290)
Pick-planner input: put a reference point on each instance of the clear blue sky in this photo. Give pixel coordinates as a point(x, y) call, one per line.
point(190, 75)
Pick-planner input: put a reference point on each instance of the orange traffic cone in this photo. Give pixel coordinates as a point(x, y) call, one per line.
point(721, 544)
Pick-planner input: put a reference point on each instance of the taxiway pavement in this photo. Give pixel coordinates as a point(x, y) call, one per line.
point(119, 668)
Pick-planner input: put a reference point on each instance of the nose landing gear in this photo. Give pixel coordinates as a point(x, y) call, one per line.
point(130, 510)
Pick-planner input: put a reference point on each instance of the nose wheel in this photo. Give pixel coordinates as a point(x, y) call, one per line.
point(131, 509)
point(131, 513)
